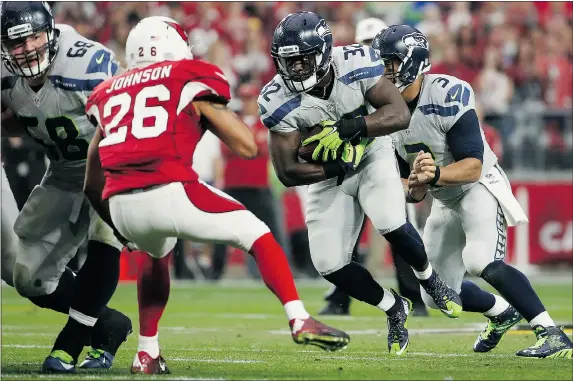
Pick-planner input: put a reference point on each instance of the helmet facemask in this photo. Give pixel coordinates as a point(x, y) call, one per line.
point(400, 70)
point(302, 72)
point(30, 63)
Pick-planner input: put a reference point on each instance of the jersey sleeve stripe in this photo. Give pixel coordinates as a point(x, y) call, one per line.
point(280, 113)
point(99, 62)
point(439, 110)
point(190, 91)
point(73, 84)
point(362, 73)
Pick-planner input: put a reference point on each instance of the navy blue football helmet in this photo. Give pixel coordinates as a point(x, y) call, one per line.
point(22, 22)
point(409, 47)
point(302, 50)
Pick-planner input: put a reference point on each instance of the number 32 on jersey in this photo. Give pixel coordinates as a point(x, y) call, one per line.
point(157, 116)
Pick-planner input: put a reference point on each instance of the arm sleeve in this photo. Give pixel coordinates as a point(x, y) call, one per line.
point(464, 137)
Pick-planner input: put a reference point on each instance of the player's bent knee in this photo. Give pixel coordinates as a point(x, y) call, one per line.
point(327, 264)
point(475, 258)
point(428, 299)
point(248, 230)
point(26, 284)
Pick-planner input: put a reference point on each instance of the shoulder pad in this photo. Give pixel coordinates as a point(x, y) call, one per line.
point(356, 63)
point(277, 105)
point(446, 96)
point(81, 64)
point(208, 74)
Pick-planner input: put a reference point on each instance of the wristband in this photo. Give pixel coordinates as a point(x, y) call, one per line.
point(436, 177)
point(412, 200)
point(350, 129)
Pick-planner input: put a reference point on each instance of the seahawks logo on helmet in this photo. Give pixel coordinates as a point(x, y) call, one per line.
point(322, 29)
point(415, 40)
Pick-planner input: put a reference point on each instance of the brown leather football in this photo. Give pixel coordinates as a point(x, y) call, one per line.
point(305, 152)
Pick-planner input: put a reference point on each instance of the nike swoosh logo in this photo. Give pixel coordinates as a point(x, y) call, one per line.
point(455, 94)
point(448, 312)
point(100, 59)
point(66, 366)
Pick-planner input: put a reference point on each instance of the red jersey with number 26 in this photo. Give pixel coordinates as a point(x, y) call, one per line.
point(150, 128)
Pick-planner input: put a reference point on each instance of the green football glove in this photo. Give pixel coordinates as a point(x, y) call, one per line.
point(352, 155)
point(328, 140)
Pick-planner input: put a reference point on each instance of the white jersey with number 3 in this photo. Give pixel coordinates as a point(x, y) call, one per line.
point(443, 100)
point(55, 116)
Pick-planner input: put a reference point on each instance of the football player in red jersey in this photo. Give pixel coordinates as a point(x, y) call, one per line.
point(150, 120)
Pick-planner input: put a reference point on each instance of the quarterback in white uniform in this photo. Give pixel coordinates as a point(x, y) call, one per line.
point(343, 90)
point(48, 72)
point(473, 203)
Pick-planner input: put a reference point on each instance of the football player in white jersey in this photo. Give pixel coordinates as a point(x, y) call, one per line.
point(47, 73)
point(343, 89)
point(473, 203)
point(408, 285)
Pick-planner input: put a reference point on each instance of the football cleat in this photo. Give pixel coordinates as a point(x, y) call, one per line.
point(398, 338)
point(143, 363)
point(496, 327)
point(552, 342)
point(59, 362)
point(447, 300)
point(311, 331)
point(97, 359)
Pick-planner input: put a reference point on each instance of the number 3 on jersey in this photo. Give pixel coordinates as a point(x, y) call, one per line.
point(115, 134)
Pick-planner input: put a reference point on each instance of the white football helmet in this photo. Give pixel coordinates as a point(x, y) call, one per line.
point(156, 39)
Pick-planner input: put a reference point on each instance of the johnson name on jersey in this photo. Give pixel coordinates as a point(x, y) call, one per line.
point(55, 115)
point(149, 126)
point(442, 101)
point(357, 68)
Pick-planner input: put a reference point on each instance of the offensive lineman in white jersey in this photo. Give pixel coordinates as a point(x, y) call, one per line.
point(473, 203)
point(319, 84)
point(47, 73)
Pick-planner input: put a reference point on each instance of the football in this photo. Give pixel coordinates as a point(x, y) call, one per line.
point(305, 152)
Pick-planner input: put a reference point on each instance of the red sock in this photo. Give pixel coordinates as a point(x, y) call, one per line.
point(153, 285)
point(274, 268)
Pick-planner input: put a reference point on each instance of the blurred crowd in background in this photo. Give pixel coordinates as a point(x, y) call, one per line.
point(517, 56)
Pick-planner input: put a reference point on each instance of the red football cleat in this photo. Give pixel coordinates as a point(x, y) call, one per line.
point(145, 364)
point(311, 331)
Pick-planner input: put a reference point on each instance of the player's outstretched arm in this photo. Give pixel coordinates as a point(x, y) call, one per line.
point(95, 180)
point(391, 113)
point(283, 147)
point(227, 126)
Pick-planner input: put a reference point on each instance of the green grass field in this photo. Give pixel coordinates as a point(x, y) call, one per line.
point(239, 331)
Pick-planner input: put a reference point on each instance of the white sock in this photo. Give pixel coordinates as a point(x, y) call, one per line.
point(423, 275)
point(499, 306)
point(387, 302)
point(543, 319)
point(149, 344)
point(295, 310)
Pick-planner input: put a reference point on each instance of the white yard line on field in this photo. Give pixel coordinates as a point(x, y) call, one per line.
point(229, 361)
